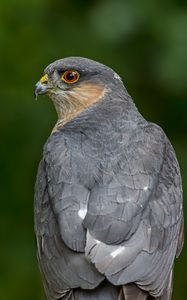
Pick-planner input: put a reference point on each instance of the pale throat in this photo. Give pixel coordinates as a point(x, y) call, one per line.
point(71, 103)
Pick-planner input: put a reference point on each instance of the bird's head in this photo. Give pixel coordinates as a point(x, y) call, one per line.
point(76, 83)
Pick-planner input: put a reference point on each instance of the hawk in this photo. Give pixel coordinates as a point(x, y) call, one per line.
point(108, 197)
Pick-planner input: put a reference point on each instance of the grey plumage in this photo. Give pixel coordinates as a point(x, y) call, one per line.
point(108, 200)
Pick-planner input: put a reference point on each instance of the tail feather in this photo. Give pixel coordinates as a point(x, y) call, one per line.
point(105, 291)
point(132, 292)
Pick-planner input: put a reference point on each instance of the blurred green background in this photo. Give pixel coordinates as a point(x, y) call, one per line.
point(144, 41)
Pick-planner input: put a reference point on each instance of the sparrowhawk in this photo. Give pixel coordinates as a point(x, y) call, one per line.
point(108, 196)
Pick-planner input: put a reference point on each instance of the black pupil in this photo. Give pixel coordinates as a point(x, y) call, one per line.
point(70, 76)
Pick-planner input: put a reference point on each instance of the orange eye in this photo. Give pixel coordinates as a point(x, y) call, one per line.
point(70, 76)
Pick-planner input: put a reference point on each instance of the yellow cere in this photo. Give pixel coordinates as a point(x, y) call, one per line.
point(44, 79)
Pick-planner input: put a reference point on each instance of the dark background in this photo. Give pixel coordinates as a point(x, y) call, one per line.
point(144, 41)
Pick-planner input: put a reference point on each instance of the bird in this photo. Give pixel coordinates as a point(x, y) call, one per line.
point(108, 209)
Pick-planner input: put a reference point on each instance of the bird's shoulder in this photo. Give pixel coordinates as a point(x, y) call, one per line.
point(83, 151)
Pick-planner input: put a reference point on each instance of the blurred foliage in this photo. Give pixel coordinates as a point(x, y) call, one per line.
point(144, 41)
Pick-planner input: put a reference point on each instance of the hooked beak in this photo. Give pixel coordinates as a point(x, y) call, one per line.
point(41, 87)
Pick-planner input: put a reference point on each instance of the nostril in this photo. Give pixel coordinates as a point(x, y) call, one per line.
point(44, 79)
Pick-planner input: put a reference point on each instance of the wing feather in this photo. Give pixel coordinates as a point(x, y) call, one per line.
point(134, 222)
point(58, 230)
